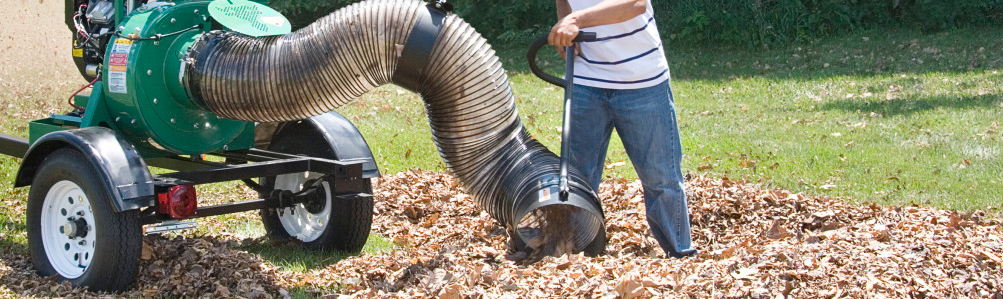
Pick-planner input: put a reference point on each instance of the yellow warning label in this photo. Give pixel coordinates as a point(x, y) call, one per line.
point(117, 66)
point(78, 52)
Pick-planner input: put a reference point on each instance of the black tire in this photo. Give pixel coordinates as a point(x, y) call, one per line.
point(350, 220)
point(117, 236)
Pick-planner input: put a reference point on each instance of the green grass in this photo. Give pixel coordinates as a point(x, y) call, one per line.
point(12, 228)
point(292, 257)
point(885, 116)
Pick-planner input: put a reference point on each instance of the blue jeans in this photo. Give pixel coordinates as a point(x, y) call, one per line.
point(645, 119)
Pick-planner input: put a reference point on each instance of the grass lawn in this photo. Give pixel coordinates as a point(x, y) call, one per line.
point(889, 116)
point(885, 116)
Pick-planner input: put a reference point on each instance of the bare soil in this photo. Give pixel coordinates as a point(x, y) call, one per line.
point(37, 73)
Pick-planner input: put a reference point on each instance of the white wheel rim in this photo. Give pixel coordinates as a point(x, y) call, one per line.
point(65, 211)
point(297, 220)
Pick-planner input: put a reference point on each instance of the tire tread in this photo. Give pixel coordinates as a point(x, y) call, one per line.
point(118, 247)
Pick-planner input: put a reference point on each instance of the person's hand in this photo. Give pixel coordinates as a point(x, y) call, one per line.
point(564, 31)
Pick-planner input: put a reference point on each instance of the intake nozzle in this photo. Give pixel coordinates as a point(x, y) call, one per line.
point(550, 225)
point(528, 202)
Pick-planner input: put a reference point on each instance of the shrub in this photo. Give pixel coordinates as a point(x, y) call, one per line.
point(752, 23)
point(303, 12)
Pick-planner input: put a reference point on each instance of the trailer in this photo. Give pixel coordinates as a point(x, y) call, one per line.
point(93, 195)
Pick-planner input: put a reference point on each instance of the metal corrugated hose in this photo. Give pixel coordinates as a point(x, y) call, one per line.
point(469, 101)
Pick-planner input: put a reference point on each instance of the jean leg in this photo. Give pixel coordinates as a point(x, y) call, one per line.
point(591, 127)
point(645, 119)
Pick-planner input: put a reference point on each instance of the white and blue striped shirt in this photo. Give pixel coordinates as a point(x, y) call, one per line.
point(625, 55)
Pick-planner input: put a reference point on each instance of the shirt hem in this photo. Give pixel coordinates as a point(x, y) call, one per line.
point(597, 84)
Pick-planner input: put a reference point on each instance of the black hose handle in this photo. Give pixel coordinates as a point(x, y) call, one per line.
point(542, 41)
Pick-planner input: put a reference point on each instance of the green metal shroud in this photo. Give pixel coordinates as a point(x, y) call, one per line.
point(141, 91)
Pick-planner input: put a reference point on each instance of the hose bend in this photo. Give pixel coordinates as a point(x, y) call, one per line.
point(469, 101)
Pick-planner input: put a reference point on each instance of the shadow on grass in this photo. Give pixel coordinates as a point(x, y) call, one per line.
point(905, 107)
point(293, 257)
point(9, 226)
point(9, 246)
point(10, 243)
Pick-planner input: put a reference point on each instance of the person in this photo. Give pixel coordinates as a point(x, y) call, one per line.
point(622, 82)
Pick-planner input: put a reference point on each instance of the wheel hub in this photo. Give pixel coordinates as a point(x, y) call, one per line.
point(306, 220)
point(318, 199)
point(75, 228)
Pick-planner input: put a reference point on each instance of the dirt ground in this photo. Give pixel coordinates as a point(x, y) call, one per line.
point(35, 44)
point(37, 73)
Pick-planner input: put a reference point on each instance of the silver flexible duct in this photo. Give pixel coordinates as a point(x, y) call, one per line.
point(467, 96)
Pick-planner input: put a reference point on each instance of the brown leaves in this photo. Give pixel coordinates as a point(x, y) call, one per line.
point(754, 243)
point(196, 267)
point(147, 252)
point(179, 267)
point(744, 161)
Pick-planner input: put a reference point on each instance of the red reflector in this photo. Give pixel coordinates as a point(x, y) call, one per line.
point(179, 202)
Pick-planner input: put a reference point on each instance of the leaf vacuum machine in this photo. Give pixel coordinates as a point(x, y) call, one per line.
point(217, 91)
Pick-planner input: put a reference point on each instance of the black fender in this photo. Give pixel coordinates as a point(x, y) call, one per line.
point(344, 138)
point(121, 168)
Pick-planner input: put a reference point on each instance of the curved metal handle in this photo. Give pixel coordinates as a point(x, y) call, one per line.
point(542, 41)
point(569, 71)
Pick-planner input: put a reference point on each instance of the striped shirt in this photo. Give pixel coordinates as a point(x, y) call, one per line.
point(625, 55)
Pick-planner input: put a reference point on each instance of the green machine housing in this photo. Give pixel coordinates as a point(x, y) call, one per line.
point(139, 93)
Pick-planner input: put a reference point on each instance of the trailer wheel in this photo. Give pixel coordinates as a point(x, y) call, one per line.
point(335, 224)
point(73, 230)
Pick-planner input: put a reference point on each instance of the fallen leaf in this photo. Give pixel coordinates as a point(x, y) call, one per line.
point(745, 273)
point(147, 252)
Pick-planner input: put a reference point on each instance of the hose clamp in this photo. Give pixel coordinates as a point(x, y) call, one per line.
point(414, 56)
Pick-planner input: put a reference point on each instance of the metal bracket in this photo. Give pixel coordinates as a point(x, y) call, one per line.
point(169, 226)
point(442, 5)
point(344, 177)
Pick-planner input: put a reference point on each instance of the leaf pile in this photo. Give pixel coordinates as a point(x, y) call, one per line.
point(178, 267)
point(754, 242)
point(186, 267)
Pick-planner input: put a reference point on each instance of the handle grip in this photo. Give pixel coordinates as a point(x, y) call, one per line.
point(542, 41)
point(585, 36)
